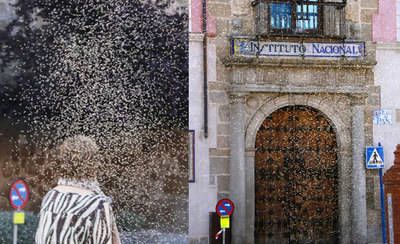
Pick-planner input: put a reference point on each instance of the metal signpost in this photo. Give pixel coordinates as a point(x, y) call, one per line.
point(224, 209)
point(374, 159)
point(18, 196)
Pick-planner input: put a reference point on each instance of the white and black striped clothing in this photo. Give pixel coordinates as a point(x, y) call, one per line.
point(72, 218)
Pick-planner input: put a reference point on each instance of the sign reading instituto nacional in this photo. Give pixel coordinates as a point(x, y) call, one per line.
point(248, 47)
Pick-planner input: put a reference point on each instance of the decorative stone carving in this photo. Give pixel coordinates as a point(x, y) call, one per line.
point(358, 99)
point(238, 98)
point(252, 102)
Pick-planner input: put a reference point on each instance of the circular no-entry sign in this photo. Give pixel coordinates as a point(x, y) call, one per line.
point(19, 194)
point(224, 207)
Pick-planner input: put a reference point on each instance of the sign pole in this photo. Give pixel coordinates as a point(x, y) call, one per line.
point(382, 193)
point(18, 196)
point(15, 237)
point(224, 210)
point(374, 159)
point(382, 206)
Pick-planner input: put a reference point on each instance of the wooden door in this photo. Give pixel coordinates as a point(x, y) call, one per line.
point(296, 178)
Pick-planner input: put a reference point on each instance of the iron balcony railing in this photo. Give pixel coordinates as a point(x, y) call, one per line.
point(311, 18)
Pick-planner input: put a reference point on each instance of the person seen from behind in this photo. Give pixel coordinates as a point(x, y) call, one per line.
point(76, 210)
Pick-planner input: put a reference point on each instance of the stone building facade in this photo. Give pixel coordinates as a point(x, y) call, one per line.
point(246, 90)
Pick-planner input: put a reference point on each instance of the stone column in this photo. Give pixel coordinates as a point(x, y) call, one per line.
point(250, 195)
point(238, 168)
point(359, 204)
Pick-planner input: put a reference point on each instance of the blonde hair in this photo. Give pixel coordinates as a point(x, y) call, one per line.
point(77, 158)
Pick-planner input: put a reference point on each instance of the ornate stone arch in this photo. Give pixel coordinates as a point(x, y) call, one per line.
point(342, 127)
point(319, 103)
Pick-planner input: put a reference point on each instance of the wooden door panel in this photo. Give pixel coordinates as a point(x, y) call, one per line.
point(296, 178)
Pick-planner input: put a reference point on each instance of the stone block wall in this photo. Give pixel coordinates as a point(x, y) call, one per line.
point(372, 177)
point(219, 99)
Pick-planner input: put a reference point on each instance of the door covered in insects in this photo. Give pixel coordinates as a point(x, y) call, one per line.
point(296, 178)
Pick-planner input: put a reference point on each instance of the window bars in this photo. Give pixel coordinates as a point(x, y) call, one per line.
point(313, 18)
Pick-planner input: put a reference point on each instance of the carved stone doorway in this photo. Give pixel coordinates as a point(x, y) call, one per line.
point(296, 178)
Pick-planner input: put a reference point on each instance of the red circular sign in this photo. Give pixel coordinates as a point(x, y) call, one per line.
point(224, 207)
point(19, 194)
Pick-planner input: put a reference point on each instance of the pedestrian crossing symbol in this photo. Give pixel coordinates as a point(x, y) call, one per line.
point(374, 157)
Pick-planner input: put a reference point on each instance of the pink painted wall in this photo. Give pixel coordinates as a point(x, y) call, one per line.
point(211, 26)
point(384, 23)
point(197, 18)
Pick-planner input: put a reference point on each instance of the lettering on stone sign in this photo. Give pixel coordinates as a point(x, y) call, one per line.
point(273, 48)
point(259, 48)
point(335, 49)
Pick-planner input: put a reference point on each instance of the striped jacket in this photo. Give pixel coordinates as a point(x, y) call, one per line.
point(73, 218)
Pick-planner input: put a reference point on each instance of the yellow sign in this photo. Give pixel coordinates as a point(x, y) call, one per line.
point(224, 222)
point(19, 218)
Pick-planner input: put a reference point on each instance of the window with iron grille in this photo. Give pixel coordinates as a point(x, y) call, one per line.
point(314, 18)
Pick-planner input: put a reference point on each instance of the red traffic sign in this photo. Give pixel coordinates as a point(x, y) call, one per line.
point(19, 194)
point(224, 207)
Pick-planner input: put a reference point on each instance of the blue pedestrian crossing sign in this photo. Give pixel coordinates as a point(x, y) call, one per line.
point(374, 157)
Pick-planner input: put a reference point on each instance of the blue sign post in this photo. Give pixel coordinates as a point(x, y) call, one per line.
point(224, 209)
point(374, 159)
point(19, 197)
